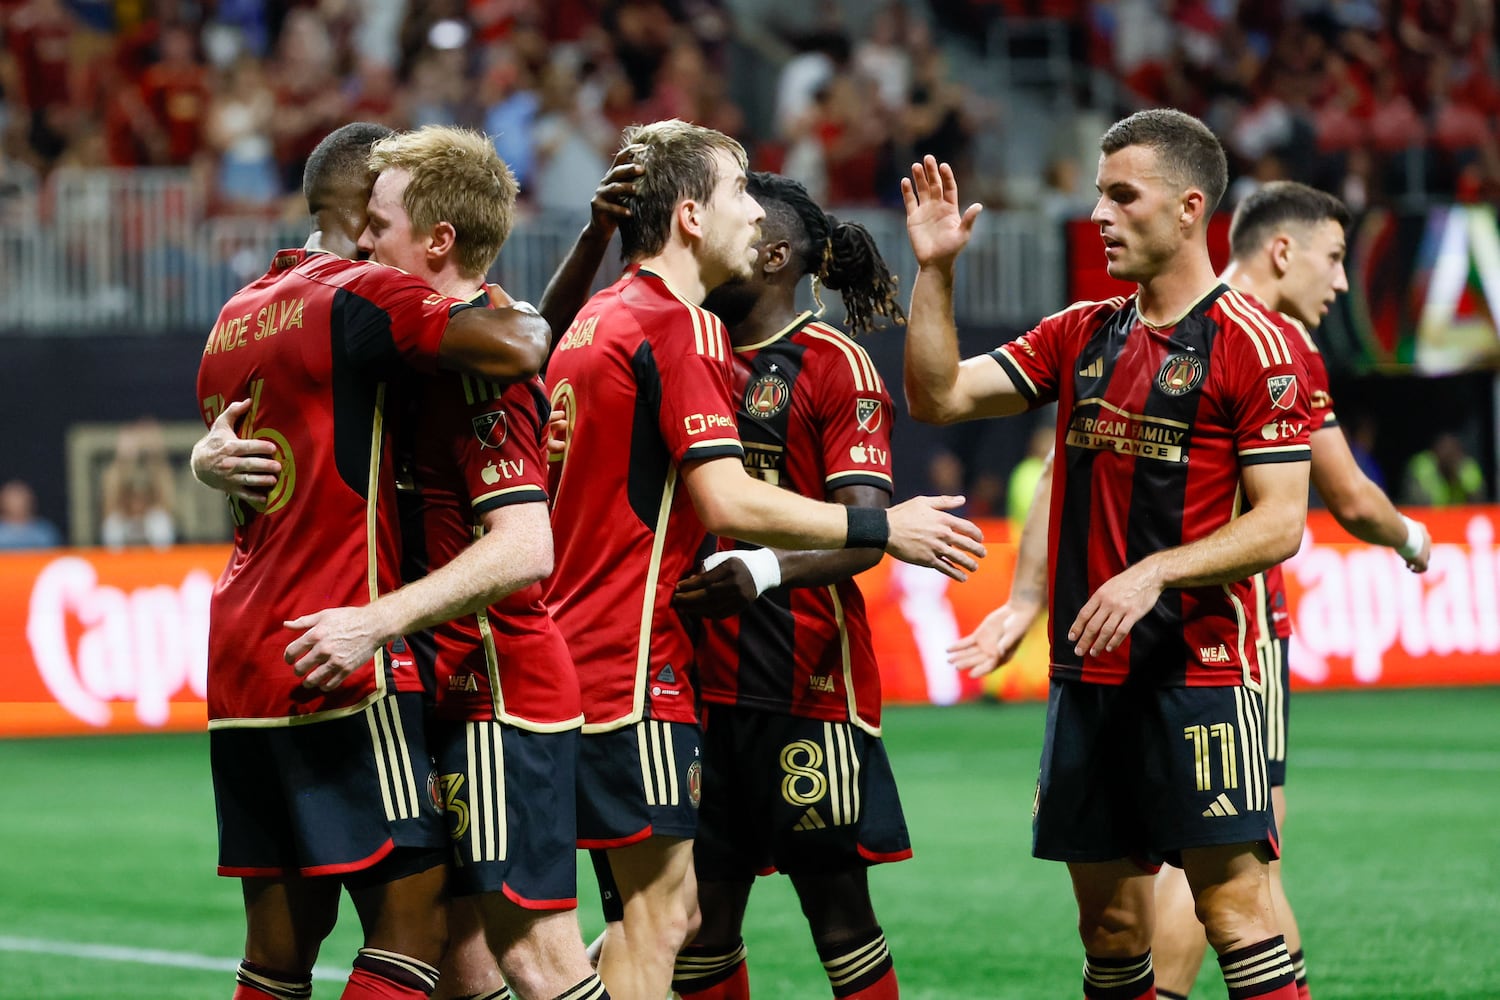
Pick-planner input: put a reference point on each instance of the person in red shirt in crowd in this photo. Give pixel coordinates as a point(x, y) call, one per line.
point(1182, 469)
point(321, 780)
point(40, 36)
point(796, 778)
point(175, 89)
point(651, 462)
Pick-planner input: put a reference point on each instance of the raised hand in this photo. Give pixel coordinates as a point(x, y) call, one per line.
point(611, 198)
point(937, 229)
point(923, 533)
point(244, 468)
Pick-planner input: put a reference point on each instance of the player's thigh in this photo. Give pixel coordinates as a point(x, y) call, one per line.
point(641, 781)
point(510, 807)
point(655, 874)
point(1203, 776)
point(1086, 808)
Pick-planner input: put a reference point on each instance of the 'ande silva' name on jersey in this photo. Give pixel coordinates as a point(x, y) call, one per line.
point(268, 322)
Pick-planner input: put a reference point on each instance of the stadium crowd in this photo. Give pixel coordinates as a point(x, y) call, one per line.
point(1373, 99)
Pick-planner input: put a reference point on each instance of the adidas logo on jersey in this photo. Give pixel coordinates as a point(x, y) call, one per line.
point(1221, 806)
point(1093, 369)
point(810, 821)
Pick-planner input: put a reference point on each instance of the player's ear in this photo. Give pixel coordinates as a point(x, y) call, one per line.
point(442, 240)
point(1194, 205)
point(1281, 254)
point(774, 256)
point(689, 215)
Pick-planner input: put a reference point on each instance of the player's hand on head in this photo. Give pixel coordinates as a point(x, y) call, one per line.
point(612, 197)
point(244, 468)
point(725, 589)
point(1112, 611)
point(334, 643)
point(937, 228)
point(992, 644)
point(923, 533)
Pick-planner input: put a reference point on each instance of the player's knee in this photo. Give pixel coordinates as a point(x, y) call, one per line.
point(1113, 930)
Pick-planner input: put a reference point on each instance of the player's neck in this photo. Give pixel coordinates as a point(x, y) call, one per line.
point(1244, 279)
point(454, 285)
point(1172, 293)
point(681, 270)
point(771, 314)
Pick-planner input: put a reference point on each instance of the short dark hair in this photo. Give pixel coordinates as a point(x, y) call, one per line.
point(342, 158)
point(1187, 148)
point(1276, 205)
point(841, 255)
point(678, 164)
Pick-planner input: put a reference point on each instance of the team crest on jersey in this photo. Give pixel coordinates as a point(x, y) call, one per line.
point(868, 413)
point(1283, 390)
point(491, 429)
point(695, 782)
point(1180, 374)
point(767, 396)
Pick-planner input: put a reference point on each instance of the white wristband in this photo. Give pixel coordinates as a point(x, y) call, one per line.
point(1415, 536)
point(764, 566)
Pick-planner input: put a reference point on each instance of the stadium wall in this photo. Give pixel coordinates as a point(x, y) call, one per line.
point(115, 642)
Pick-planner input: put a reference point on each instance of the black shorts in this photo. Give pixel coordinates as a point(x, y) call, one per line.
point(327, 798)
point(640, 781)
point(508, 793)
point(795, 795)
point(1276, 676)
point(1131, 771)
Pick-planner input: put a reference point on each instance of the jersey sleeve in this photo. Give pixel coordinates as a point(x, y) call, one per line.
point(854, 414)
point(389, 315)
point(1034, 361)
point(1267, 392)
point(496, 442)
point(696, 413)
point(1319, 393)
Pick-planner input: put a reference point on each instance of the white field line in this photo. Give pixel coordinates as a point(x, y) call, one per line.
point(140, 956)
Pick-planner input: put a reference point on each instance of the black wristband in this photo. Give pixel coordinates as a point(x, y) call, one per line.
point(869, 528)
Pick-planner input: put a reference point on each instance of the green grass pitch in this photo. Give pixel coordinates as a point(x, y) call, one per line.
point(1393, 861)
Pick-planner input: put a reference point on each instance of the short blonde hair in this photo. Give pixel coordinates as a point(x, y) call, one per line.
point(679, 164)
point(458, 178)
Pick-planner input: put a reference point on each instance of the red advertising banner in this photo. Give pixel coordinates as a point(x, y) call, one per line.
point(117, 642)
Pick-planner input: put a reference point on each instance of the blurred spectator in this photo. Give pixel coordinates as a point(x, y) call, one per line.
point(1021, 487)
point(20, 527)
point(138, 490)
point(1361, 431)
point(945, 476)
point(1444, 475)
point(239, 130)
point(573, 142)
point(40, 36)
point(175, 91)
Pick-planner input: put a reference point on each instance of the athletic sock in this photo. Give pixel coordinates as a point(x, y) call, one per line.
point(385, 975)
point(503, 993)
point(253, 981)
point(1260, 972)
point(712, 973)
point(1162, 994)
point(1299, 969)
point(1131, 978)
point(860, 968)
point(591, 988)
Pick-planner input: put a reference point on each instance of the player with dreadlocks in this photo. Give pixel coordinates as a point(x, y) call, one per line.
point(795, 776)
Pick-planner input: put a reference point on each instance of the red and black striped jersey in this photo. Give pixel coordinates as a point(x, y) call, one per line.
point(1154, 426)
point(1271, 601)
point(311, 344)
point(644, 378)
point(469, 447)
point(813, 416)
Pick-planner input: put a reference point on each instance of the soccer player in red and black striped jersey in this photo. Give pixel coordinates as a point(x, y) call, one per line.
point(1181, 470)
point(652, 461)
point(795, 775)
point(321, 780)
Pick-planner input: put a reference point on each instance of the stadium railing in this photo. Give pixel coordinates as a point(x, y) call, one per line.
point(116, 249)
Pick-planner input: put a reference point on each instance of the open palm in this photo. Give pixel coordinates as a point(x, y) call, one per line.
point(938, 230)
